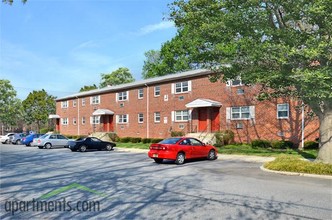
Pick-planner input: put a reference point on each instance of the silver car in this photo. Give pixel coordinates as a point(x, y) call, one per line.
point(49, 141)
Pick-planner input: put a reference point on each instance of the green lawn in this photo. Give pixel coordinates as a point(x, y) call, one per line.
point(290, 160)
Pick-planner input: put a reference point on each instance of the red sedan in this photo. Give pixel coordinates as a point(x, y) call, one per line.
point(180, 149)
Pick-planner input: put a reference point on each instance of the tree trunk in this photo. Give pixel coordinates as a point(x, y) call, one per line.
point(325, 137)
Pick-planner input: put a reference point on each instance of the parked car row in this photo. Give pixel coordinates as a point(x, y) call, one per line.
point(178, 149)
point(12, 138)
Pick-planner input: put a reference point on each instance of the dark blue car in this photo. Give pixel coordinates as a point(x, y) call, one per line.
point(28, 139)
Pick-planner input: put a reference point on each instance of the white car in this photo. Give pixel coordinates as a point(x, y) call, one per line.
point(5, 139)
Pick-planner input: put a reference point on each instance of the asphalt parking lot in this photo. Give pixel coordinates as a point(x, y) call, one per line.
point(57, 183)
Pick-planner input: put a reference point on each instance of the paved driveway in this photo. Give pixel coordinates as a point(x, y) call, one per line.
point(58, 183)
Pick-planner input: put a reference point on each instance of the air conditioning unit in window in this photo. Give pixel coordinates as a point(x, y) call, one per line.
point(239, 125)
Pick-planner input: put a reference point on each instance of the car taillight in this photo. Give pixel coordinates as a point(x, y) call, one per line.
point(159, 147)
point(39, 141)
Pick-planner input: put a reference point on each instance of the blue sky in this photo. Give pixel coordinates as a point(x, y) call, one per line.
point(62, 45)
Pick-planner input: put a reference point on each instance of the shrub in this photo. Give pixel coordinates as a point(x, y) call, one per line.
point(224, 137)
point(43, 130)
point(282, 144)
point(311, 145)
point(125, 139)
point(136, 139)
point(113, 136)
point(261, 143)
point(146, 140)
point(177, 133)
point(156, 140)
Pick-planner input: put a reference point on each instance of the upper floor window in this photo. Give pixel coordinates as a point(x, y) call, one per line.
point(74, 103)
point(140, 93)
point(157, 117)
point(121, 119)
point(122, 96)
point(95, 100)
point(181, 87)
point(140, 118)
point(83, 101)
point(243, 112)
point(182, 115)
point(157, 91)
point(235, 82)
point(64, 104)
point(283, 110)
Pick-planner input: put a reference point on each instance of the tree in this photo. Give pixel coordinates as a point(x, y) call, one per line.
point(88, 88)
point(117, 77)
point(10, 106)
point(10, 2)
point(38, 106)
point(283, 45)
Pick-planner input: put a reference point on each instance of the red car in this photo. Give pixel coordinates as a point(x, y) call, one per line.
point(180, 149)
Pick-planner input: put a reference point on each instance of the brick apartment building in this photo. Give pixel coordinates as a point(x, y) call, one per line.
point(186, 102)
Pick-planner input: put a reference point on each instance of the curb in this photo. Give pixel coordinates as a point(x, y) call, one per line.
point(296, 174)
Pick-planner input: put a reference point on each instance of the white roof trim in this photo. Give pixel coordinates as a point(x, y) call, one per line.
point(53, 116)
point(102, 112)
point(197, 103)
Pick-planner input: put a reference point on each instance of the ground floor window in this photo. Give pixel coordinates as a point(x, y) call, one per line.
point(182, 115)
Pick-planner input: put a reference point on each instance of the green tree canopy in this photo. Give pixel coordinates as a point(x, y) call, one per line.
point(37, 107)
point(10, 2)
point(88, 88)
point(117, 77)
point(279, 44)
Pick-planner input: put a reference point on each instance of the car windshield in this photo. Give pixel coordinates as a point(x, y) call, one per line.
point(44, 136)
point(170, 141)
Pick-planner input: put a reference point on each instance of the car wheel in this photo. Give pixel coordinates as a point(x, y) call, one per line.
point(211, 155)
point(18, 142)
point(6, 141)
point(48, 146)
point(83, 148)
point(158, 160)
point(109, 147)
point(180, 158)
point(40, 147)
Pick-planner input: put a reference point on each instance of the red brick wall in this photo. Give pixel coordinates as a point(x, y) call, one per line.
point(264, 126)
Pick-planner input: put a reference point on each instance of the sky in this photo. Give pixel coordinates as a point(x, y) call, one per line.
point(63, 45)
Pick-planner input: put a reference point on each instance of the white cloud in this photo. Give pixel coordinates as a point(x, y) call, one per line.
point(156, 27)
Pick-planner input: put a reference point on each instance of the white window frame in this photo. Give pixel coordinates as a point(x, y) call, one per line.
point(122, 96)
point(140, 93)
point(95, 120)
point(157, 90)
point(94, 100)
point(83, 101)
point(287, 110)
point(234, 83)
point(182, 87)
point(157, 117)
point(181, 115)
point(241, 110)
point(140, 118)
point(74, 121)
point(64, 121)
point(83, 120)
point(64, 104)
point(122, 119)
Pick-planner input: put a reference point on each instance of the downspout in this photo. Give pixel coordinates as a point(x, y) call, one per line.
point(78, 116)
point(147, 112)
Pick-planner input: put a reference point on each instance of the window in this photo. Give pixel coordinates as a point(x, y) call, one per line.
point(64, 104)
point(95, 120)
point(240, 112)
point(157, 91)
point(140, 94)
point(283, 110)
point(64, 121)
point(74, 103)
point(140, 118)
point(83, 102)
point(83, 120)
point(181, 87)
point(240, 91)
point(235, 82)
point(95, 100)
point(122, 119)
point(74, 121)
point(122, 96)
point(157, 117)
point(182, 115)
